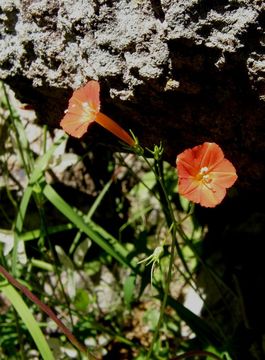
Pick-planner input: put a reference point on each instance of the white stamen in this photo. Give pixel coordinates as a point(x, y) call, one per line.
point(85, 105)
point(204, 170)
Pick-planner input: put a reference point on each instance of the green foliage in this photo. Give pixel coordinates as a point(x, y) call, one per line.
point(29, 321)
point(97, 279)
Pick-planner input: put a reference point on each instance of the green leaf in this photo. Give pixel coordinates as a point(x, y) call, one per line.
point(36, 233)
point(80, 251)
point(64, 259)
point(128, 289)
point(29, 321)
point(92, 230)
point(42, 265)
point(42, 162)
point(19, 224)
point(81, 300)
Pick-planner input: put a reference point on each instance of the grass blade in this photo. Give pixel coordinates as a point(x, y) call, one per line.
point(19, 224)
point(29, 321)
point(107, 242)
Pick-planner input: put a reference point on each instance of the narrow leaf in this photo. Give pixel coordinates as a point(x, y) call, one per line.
point(29, 321)
point(107, 243)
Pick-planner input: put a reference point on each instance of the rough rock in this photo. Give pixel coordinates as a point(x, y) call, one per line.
point(180, 71)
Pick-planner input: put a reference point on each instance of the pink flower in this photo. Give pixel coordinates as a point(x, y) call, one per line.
point(204, 174)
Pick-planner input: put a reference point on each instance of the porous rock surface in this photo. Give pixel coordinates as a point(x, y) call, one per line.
point(180, 71)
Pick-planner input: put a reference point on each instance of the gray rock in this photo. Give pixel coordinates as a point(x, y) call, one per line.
point(180, 71)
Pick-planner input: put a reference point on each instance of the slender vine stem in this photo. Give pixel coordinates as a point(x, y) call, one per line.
point(172, 225)
point(164, 301)
point(170, 217)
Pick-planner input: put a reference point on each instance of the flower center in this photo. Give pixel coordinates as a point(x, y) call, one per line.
point(204, 176)
point(88, 109)
point(89, 112)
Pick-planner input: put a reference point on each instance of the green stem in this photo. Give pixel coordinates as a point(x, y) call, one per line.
point(192, 354)
point(167, 208)
point(170, 217)
point(178, 228)
point(131, 172)
point(165, 297)
point(171, 222)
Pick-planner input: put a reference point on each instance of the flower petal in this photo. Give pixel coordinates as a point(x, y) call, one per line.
point(186, 165)
point(211, 198)
point(201, 194)
point(224, 174)
point(187, 186)
point(72, 125)
point(88, 93)
point(193, 195)
point(82, 109)
point(208, 155)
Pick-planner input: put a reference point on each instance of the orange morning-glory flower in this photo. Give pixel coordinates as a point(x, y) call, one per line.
point(83, 110)
point(204, 174)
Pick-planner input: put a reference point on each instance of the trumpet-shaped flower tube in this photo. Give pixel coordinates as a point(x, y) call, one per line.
point(84, 109)
point(204, 174)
